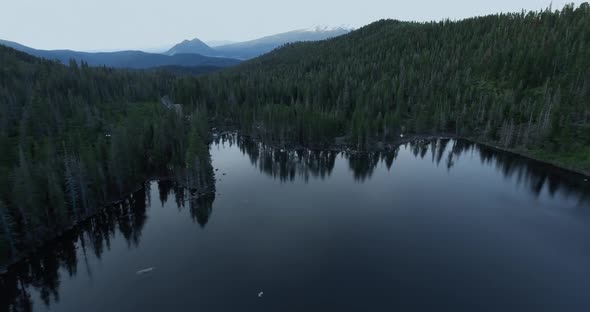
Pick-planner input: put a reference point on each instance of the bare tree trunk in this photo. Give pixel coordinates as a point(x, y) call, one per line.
point(82, 185)
point(5, 227)
point(71, 188)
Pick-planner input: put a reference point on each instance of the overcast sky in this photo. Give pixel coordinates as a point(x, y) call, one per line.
point(141, 24)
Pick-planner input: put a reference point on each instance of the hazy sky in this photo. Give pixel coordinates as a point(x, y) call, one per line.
point(141, 24)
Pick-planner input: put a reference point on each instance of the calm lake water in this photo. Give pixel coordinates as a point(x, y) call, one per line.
point(436, 226)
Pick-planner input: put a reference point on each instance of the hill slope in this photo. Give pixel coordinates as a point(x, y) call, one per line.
point(521, 81)
point(76, 137)
point(254, 48)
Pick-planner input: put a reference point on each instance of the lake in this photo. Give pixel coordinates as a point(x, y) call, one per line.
point(441, 225)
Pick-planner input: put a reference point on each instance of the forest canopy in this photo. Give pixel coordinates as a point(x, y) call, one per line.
point(75, 138)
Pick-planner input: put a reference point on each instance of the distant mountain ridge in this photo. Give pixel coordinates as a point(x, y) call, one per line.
point(216, 43)
point(253, 48)
point(126, 59)
point(188, 53)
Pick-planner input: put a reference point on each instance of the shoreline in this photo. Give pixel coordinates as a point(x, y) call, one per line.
point(381, 146)
point(342, 147)
point(4, 267)
point(580, 171)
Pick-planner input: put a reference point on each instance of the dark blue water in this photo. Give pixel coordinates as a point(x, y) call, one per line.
point(435, 226)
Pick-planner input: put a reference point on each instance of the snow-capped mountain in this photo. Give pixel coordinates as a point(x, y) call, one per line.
point(326, 28)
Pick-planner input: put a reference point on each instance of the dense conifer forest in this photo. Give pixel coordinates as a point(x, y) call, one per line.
point(73, 138)
point(519, 81)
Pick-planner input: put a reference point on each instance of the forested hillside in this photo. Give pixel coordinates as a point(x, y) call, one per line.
point(73, 138)
point(520, 81)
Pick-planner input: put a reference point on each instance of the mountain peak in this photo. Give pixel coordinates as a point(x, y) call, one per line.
point(194, 46)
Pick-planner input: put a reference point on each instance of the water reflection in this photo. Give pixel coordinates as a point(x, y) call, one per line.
point(363, 165)
point(201, 208)
point(43, 272)
point(305, 163)
point(285, 165)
